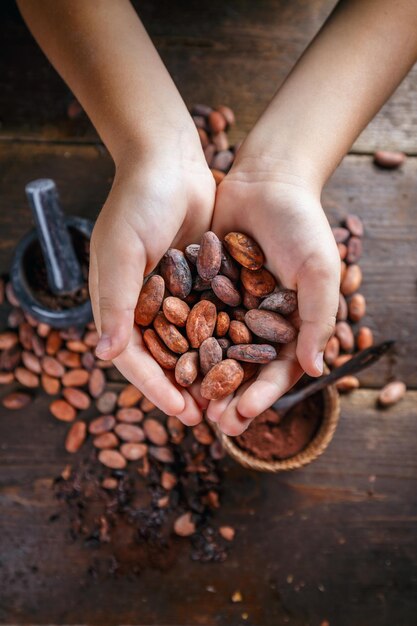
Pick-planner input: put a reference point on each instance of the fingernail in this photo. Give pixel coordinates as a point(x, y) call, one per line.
point(319, 362)
point(103, 345)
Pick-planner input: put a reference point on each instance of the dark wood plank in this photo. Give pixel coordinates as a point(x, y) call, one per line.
point(386, 201)
point(236, 53)
point(333, 541)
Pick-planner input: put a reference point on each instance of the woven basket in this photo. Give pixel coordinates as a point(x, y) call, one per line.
point(315, 448)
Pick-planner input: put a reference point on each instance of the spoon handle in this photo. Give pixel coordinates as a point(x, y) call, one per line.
point(63, 269)
point(360, 361)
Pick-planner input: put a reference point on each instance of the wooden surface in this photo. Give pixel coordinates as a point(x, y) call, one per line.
point(335, 541)
point(237, 51)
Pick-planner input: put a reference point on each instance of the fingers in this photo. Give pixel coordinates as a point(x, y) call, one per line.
point(141, 369)
point(117, 267)
point(273, 381)
point(318, 297)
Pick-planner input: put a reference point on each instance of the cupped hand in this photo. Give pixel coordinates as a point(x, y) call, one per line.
point(284, 215)
point(160, 199)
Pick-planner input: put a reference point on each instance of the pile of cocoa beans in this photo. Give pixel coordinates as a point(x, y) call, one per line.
point(215, 310)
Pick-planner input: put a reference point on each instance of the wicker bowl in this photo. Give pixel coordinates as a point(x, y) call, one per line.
point(314, 449)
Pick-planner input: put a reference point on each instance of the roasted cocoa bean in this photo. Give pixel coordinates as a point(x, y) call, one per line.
point(150, 300)
point(244, 250)
point(270, 326)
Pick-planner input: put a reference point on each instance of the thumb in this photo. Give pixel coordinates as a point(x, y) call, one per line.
point(318, 297)
point(116, 277)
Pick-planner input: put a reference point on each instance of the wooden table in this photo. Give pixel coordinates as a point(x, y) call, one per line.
point(336, 541)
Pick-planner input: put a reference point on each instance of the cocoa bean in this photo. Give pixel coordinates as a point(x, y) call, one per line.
point(129, 433)
point(229, 267)
point(50, 385)
point(184, 525)
point(102, 424)
point(225, 344)
point(270, 326)
point(31, 362)
point(258, 283)
point(96, 383)
point(239, 333)
point(209, 256)
point(76, 378)
point(227, 114)
point(106, 403)
point(162, 454)
point(347, 383)
point(134, 451)
point(52, 367)
point(388, 159)
point(75, 437)
point(6, 378)
point(176, 311)
point(77, 398)
point(222, 380)
point(69, 359)
point(26, 377)
point(342, 311)
point(155, 431)
point(244, 250)
point(62, 410)
point(364, 338)
point(342, 251)
point(203, 434)
point(340, 234)
point(191, 252)
point(168, 480)
point(201, 322)
point(283, 301)
point(186, 369)
point(354, 250)
point(105, 441)
point(8, 340)
point(150, 300)
point(129, 397)
point(210, 353)
point(176, 273)
point(354, 224)
point(170, 334)
point(357, 307)
point(332, 350)
point(238, 314)
point(225, 290)
point(159, 351)
point(392, 393)
point(352, 280)
point(216, 122)
point(249, 370)
point(147, 406)
point(252, 353)
point(227, 532)
point(130, 415)
point(345, 336)
point(112, 459)
point(16, 400)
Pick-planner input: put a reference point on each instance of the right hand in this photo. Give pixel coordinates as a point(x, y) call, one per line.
point(160, 199)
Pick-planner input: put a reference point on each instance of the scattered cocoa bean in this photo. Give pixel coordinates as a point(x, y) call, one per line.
point(364, 338)
point(106, 403)
point(26, 377)
point(130, 415)
point(342, 311)
point(77, 398)
point(340, 234)
point(112, 459)
point(129, 433)
point(134, 451)
point(102, 424)
point(162, 454)
point(347, 383)
point(8, 340)
point(357, 307)
point(129, 397)
point(352, 280)
point(354, 250)
point(354, 224)
point(76, 378)
point(227, 532)
point(345, 336)
point(75, 437)
point(50, 385)
point(31, 362)
point(387, 159)
point(392, 393)
point(52, 367)
point(331, 351)
point(184, 525)
point(105, 441)
point(155, 431)
point(62, 410)
point(16, 400)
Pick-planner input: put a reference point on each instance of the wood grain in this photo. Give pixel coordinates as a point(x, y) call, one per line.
point(385, 200)
point(235, 52)
point(339, 533)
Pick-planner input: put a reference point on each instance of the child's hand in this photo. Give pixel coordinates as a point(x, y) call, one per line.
point(160, 199)
point(286, 218)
